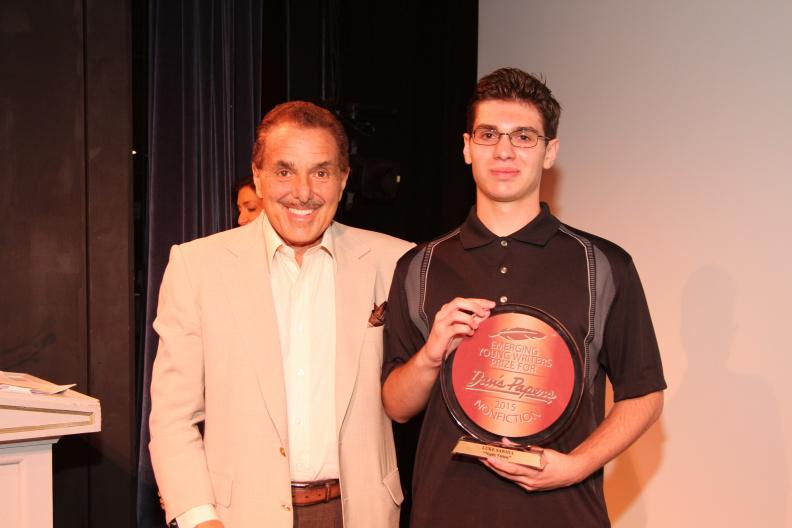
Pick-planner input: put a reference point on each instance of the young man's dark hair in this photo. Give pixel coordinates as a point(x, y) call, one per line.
point(513, 84)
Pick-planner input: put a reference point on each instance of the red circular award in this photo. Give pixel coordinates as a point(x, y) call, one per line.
point(519, 377)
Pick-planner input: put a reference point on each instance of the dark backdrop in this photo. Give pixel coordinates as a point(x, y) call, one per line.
point(405, 73)
point(65, 234)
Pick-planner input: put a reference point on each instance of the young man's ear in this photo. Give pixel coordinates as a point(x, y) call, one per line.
point(551, 151)
point(466, 147)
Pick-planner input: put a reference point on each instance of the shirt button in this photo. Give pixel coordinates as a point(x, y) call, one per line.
point(286, 507)
point(504, 243)
point(503, 299)
point(301, 373)
point(504, 270)
point(282, 451)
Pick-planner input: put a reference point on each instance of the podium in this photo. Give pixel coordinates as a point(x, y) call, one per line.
point(29, 426)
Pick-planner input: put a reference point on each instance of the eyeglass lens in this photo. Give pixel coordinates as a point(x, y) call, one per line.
point(522, 137)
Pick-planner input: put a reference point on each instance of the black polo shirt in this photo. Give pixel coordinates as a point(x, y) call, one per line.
point(587, 283)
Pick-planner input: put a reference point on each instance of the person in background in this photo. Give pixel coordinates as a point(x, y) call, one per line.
point(248, 203)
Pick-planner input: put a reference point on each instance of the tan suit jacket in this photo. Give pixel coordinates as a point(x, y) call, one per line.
point(219, 361)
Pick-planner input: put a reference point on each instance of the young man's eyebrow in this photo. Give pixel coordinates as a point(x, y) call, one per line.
point(515, 129)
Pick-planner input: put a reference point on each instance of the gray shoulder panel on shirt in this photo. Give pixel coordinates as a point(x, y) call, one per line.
point(606, 291)
point(416, 281)
point(414, 291)
point(602, 291)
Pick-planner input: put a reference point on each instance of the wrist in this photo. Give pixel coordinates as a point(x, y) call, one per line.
point(426, 361)
point(582, 467)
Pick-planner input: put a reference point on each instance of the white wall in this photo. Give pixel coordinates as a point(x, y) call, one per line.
point(676, 142)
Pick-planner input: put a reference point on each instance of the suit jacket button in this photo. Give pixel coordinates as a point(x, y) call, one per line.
point(282, 451)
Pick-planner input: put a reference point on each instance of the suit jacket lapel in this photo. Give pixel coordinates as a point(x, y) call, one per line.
point(354, 295)
point(252, 304)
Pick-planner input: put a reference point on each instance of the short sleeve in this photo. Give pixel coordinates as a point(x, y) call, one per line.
point(630, 355)
point(402, 338)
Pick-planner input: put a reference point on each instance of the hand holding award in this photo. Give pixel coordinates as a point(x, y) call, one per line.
point(519, 377)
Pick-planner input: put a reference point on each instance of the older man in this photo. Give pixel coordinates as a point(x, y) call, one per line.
point(271, 335)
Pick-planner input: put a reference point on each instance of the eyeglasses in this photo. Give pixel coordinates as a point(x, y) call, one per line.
point(521, 137)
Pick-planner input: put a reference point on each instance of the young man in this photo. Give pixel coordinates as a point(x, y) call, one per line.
point(269, 336)
point(512, 250)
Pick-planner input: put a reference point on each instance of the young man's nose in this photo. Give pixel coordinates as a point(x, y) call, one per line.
point(503, 148)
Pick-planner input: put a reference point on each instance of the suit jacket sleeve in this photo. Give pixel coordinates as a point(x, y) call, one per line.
point(177, 393)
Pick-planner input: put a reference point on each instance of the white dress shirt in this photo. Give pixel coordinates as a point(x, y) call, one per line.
point(304, 297)
point(305, 305)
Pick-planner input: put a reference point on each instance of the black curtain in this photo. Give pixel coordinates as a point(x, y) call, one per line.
point(204, 84)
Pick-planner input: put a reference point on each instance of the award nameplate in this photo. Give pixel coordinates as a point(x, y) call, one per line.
point(519, 377)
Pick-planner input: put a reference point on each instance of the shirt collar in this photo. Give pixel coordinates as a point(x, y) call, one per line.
point(538, 231)
point(273, 242)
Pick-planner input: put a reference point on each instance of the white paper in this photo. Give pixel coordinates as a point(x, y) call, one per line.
point(11, 382)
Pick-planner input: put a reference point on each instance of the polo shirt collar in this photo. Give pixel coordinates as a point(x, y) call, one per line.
point(538, 231)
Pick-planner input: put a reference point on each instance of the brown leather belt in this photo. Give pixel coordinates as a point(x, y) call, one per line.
point(310, 493)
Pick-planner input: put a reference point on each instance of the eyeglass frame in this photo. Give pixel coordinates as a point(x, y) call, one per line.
point(508, 134)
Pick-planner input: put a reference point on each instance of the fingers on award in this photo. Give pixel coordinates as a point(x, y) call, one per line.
point(519, 377)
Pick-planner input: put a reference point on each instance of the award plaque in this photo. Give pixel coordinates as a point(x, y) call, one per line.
point(519, 377)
